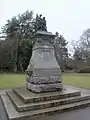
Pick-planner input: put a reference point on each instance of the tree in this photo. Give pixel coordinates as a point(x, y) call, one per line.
point(16, 31)
point(61, 51)
point(20, 26)
point(82, 47)
point(82, 50)
point(6, 55)
point(25, 53)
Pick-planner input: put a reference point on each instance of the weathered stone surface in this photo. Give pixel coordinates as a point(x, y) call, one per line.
point(13, 114)
point(44, 80)
point(30, 97)
point(44, 34)
point(68, 115)
point(44, 87)
point(21, 106)
point(43, 70)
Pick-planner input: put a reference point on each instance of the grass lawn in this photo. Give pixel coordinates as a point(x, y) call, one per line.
point(12, 80)
point(17, 80)
point(77, 80)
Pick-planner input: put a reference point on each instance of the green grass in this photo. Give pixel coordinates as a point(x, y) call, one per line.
point(12, 80)
point(77, 80)
point(18, 80)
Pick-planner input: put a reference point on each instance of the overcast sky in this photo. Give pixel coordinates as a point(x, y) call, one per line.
point(69, 17)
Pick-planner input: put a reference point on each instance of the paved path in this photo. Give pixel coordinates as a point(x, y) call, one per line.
point(81, 114)
point(2, 112)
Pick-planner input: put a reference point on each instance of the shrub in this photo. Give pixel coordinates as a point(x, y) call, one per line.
point(85, 69)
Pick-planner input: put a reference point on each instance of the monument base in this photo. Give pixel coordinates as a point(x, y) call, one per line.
point(43, 71)
point(44, 87)
point(22, 104)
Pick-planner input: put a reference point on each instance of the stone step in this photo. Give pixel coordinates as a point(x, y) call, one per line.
point(13, 114)
point(20, 106)
point(29, 97)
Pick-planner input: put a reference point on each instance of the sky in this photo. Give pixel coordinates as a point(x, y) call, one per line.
point(68, 17)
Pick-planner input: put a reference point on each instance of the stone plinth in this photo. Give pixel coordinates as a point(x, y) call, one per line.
point(22, 104)
point(43, 70)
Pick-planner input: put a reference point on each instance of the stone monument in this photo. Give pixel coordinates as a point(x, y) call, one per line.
point(43, 75)
point(43, 72)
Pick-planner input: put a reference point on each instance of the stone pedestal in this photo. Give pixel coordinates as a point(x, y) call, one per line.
point(43, 70)
point(21, 104)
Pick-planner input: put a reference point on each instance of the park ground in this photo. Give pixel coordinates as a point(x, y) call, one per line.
point(19, 80)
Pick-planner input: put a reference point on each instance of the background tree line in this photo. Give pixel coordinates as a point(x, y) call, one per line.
point(16, 49)
point(81, 56)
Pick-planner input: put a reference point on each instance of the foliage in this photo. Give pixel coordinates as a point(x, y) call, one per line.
point(25, 53)
point(19, 26)
point(7, 54)
point(17, 47)
point(61, 51)
point(82, 47)
point(81, 56)
point(85, 69)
